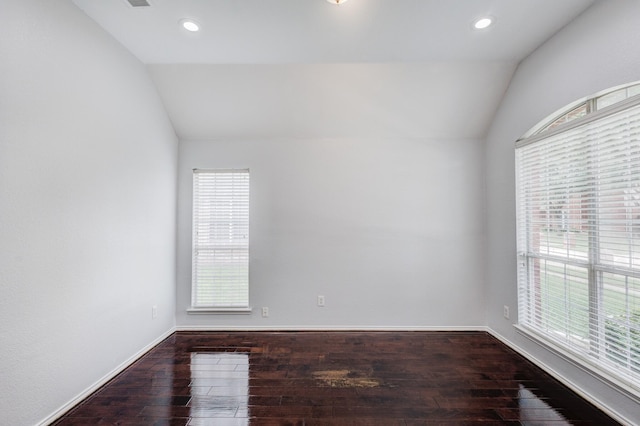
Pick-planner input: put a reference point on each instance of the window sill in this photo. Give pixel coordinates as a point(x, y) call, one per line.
point(220, 311)
point(628, 388)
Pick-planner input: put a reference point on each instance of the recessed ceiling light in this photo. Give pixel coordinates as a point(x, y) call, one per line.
point(337, 1)
point(482, 23)
point(190, 25)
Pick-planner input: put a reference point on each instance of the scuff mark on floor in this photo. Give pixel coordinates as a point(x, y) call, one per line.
point(344, 379)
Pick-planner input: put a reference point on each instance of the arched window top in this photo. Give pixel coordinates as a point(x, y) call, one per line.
point(584, 107)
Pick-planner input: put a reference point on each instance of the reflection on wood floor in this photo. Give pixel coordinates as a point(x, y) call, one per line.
point(332, 378)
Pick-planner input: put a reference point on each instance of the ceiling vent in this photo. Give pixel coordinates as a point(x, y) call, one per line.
point(138, 3)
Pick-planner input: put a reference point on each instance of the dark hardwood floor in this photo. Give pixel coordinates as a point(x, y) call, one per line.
point(332, 378)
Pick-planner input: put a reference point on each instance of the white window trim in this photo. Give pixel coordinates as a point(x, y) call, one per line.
point(222, 311)
point(603, 372)
point(212, 309)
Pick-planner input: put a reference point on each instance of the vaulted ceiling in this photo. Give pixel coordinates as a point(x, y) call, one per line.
point(308, 68)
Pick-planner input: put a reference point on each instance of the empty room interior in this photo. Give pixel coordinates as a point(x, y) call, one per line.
point(386, 147)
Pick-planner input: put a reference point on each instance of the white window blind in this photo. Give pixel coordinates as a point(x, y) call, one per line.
point(220, 274)
point(578, 205)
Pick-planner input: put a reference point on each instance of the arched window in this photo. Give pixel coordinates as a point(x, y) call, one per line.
point(578, 208)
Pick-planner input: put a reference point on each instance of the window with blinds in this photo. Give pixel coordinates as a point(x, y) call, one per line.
point(220, 270)
point(578, 208)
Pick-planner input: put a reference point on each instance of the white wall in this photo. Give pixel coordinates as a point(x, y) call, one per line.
point(388, 230)
point(334, 100)
point(597, 51)
point(87, 208)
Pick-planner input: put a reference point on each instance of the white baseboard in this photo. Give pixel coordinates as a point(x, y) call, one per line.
point(556, 375)
point(276, 328)
point(113, 373)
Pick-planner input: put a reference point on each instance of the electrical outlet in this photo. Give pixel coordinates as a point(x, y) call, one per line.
point(265, 312)
point(320, 300)
point(154, 311)
point(505, 312)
